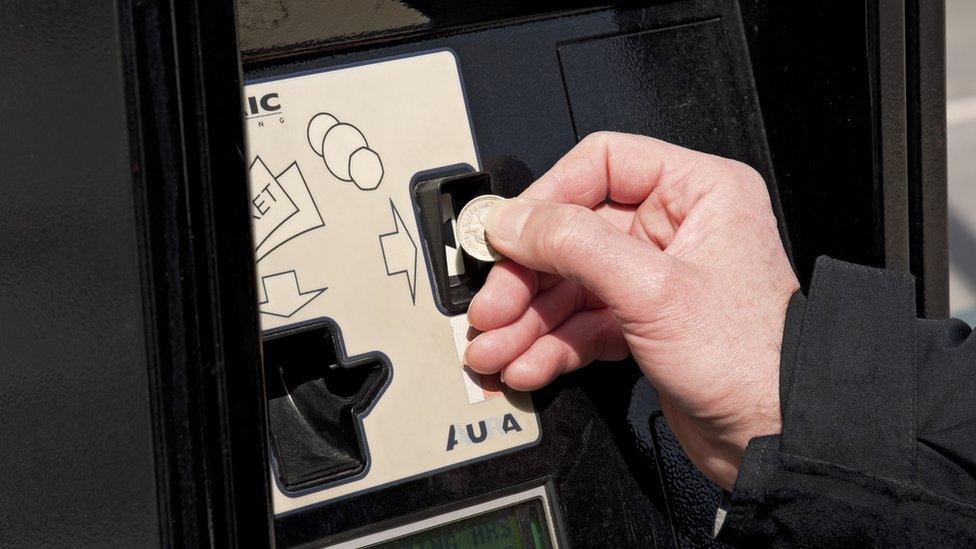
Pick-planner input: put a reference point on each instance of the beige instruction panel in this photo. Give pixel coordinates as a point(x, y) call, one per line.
point(332, 155)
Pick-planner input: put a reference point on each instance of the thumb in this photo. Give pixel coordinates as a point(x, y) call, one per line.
point(576, 243)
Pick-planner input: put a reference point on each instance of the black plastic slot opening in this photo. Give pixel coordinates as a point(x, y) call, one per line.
point(453, 292)
point(314, 405)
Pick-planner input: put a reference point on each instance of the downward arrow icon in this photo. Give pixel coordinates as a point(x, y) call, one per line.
point(282, 296)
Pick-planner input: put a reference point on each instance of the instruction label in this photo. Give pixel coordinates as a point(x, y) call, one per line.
point(332, 155)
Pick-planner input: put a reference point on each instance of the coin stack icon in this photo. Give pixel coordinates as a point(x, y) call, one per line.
point(345, 151)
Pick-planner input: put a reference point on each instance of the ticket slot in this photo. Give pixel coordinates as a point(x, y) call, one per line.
point(456, 276)
point(315, 400)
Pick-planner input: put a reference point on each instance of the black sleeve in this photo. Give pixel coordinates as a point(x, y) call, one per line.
point(878, 446)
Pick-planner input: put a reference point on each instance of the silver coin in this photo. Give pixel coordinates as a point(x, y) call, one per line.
point(471, 228)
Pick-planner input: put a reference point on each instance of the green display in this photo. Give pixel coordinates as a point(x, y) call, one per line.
point(520, 526)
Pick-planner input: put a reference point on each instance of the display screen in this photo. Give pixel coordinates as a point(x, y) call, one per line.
point(519, 526)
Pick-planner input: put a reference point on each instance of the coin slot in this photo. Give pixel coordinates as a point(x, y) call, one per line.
point(455, 275)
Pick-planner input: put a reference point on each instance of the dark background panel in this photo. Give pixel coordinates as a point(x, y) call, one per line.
point(689, 84)
point(77, 466)
point(676, 84)
point(275, 27)
point(811, 72)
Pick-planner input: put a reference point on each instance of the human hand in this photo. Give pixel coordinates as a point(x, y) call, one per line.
point(633, 246)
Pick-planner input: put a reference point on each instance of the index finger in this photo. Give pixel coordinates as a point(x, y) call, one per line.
point(622, 167)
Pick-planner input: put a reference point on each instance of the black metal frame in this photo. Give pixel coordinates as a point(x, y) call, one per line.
point(928, 201)
point(877, 82)
point(187, 136)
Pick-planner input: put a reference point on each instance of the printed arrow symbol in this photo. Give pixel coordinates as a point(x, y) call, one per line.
point(283, 297)
point(400, 252)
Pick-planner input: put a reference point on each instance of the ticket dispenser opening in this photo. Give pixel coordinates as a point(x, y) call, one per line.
point(315, 400)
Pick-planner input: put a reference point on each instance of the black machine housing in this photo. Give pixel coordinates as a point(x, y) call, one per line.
point(135, 407)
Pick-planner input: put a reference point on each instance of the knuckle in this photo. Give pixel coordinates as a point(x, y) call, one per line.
point(740, 189)
point(746, 176)
point(741, 168)
point(599, 143)
point(596, 139)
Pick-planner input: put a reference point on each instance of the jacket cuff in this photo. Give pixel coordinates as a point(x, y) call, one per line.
point(845, 468)
point(855, 341)
point(842, 347)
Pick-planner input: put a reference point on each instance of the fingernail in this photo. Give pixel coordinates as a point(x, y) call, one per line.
point(506, 219)
point(467, 349)
point(464, 357)
point(471, 304)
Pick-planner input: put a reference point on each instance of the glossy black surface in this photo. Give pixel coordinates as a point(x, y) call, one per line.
point(185, 105)
point(816, 99)
point(886, 71)
point(77, 462)
point(816, 68)
point(132, 412)
point(269, 28)
point(676, 83)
